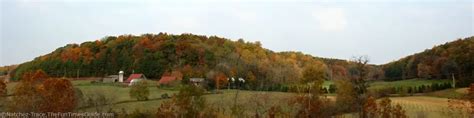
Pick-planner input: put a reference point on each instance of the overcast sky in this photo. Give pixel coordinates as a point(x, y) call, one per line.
point(385, 30)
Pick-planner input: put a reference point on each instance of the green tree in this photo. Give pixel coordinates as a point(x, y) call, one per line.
point(140, 90)
point(190, 101)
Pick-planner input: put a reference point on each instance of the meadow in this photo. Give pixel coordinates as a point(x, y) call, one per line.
point(431, 105)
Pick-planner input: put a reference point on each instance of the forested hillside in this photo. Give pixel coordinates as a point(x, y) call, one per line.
point(441, 62)
point(186, 54)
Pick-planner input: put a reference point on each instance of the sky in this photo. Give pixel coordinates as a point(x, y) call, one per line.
point(383, 30)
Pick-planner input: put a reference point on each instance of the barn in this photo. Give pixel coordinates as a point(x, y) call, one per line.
point(135, 76)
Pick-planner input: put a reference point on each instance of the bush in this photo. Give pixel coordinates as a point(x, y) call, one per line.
point(165, 96)
point(189, 101)
point(332, 88)
point(93, 82)
point(140, 91)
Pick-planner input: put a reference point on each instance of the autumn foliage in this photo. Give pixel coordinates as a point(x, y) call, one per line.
point(57, 95)
point(384, 109)
point(36, 92)
point(220, 80)
point(27, 97)
point(452, 59)
point(463, 106)
point(193, 55)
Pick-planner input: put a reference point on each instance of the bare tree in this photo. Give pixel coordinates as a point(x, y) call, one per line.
point(360, 72)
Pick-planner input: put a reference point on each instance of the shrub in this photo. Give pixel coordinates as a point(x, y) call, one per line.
point(332, 88)
point(165, 96)
point(140, 91)
point(189, 101)
point(384, 109)
point(167, 110)
point(93, 82)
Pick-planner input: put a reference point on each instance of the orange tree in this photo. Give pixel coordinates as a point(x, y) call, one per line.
point(36, 92)
point(57, 95)
point(26, 97)
point(220, 80)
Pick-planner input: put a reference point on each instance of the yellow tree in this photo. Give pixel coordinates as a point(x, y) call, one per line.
point(315, 74)
point(346, 95)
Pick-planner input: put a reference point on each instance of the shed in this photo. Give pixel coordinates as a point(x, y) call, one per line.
point(111, 79)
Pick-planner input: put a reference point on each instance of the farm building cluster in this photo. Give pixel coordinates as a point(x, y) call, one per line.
point(165, 80)
point(133, 78)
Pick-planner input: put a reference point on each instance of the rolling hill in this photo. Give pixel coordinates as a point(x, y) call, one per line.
point(185, 55)
point(452, 59)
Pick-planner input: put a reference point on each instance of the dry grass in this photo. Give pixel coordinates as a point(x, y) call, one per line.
point(427, 107)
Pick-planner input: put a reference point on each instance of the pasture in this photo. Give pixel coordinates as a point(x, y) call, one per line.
point(431, 105)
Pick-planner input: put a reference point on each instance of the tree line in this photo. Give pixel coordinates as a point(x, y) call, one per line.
point(452, 59)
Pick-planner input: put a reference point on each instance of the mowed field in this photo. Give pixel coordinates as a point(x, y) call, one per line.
point(253, 101)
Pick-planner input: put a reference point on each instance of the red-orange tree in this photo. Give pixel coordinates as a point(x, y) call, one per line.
point(57, 96)
point(36, 93)
point(26, 97)
point(220, 80)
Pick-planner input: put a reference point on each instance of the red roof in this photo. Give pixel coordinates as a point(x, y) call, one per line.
point(133, 76)
point(166, 79)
